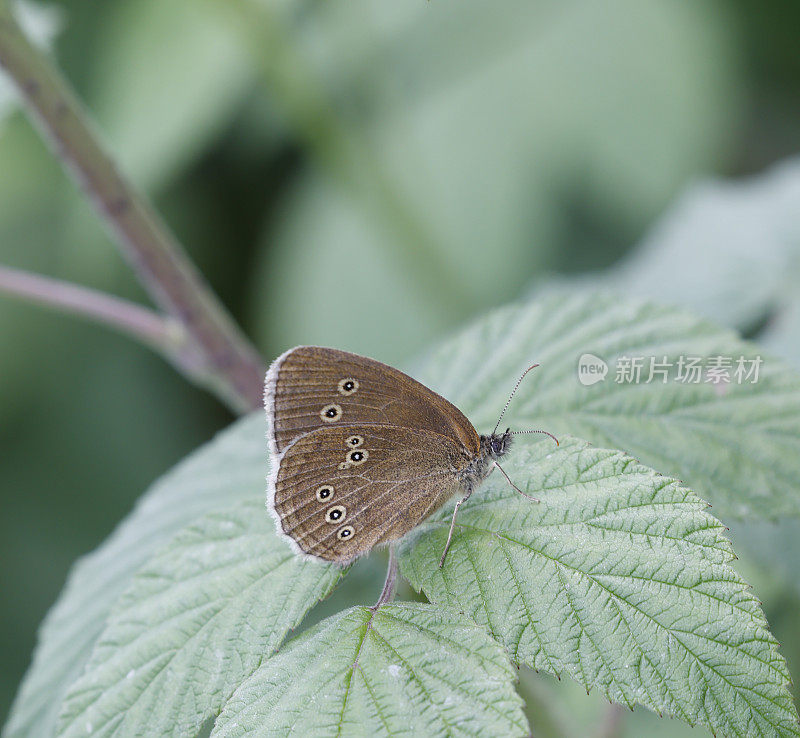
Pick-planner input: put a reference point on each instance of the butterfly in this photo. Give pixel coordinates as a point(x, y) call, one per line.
point(361, 453)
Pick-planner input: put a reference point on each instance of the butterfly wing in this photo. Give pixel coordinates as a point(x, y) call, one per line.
point(309, 387)
point(339, 491)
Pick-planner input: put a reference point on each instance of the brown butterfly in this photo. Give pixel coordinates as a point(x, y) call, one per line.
point(361, 453)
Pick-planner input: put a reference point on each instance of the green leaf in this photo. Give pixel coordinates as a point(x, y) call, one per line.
point(407, 669)
point(196, 621)
point(735, 444)
point(619, 578)
point(782, 335)
point(727, 250)
point(739, 449)
point(218, 475)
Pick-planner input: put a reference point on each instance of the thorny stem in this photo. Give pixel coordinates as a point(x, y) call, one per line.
point(221, 358)
point(390, 585)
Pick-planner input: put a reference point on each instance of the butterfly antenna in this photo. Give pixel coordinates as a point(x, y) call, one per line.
point(513, 392)
point(546, 433)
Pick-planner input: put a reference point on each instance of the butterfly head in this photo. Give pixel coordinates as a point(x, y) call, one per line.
point(497, 444)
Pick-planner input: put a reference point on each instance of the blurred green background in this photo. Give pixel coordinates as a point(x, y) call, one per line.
point(366, 175)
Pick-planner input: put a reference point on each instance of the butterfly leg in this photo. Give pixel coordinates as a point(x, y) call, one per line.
point(389, 586)
point(508, 479)
point(452, 527)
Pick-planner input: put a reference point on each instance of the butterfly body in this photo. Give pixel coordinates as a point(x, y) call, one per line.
point(362, 453)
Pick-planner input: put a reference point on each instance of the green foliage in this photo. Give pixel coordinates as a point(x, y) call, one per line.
point(613, 107)
point(195, 621)
point(606, 110)
point(169, 80)
point(619, 577)
point(736, 445)
point(782, 335)
point(225, 472)
point(426, 89)
point(728, 250)
point(405, 669)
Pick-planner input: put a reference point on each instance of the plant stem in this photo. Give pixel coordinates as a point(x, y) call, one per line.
point(142, 323)
point(390, 585)
point(223, 359)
